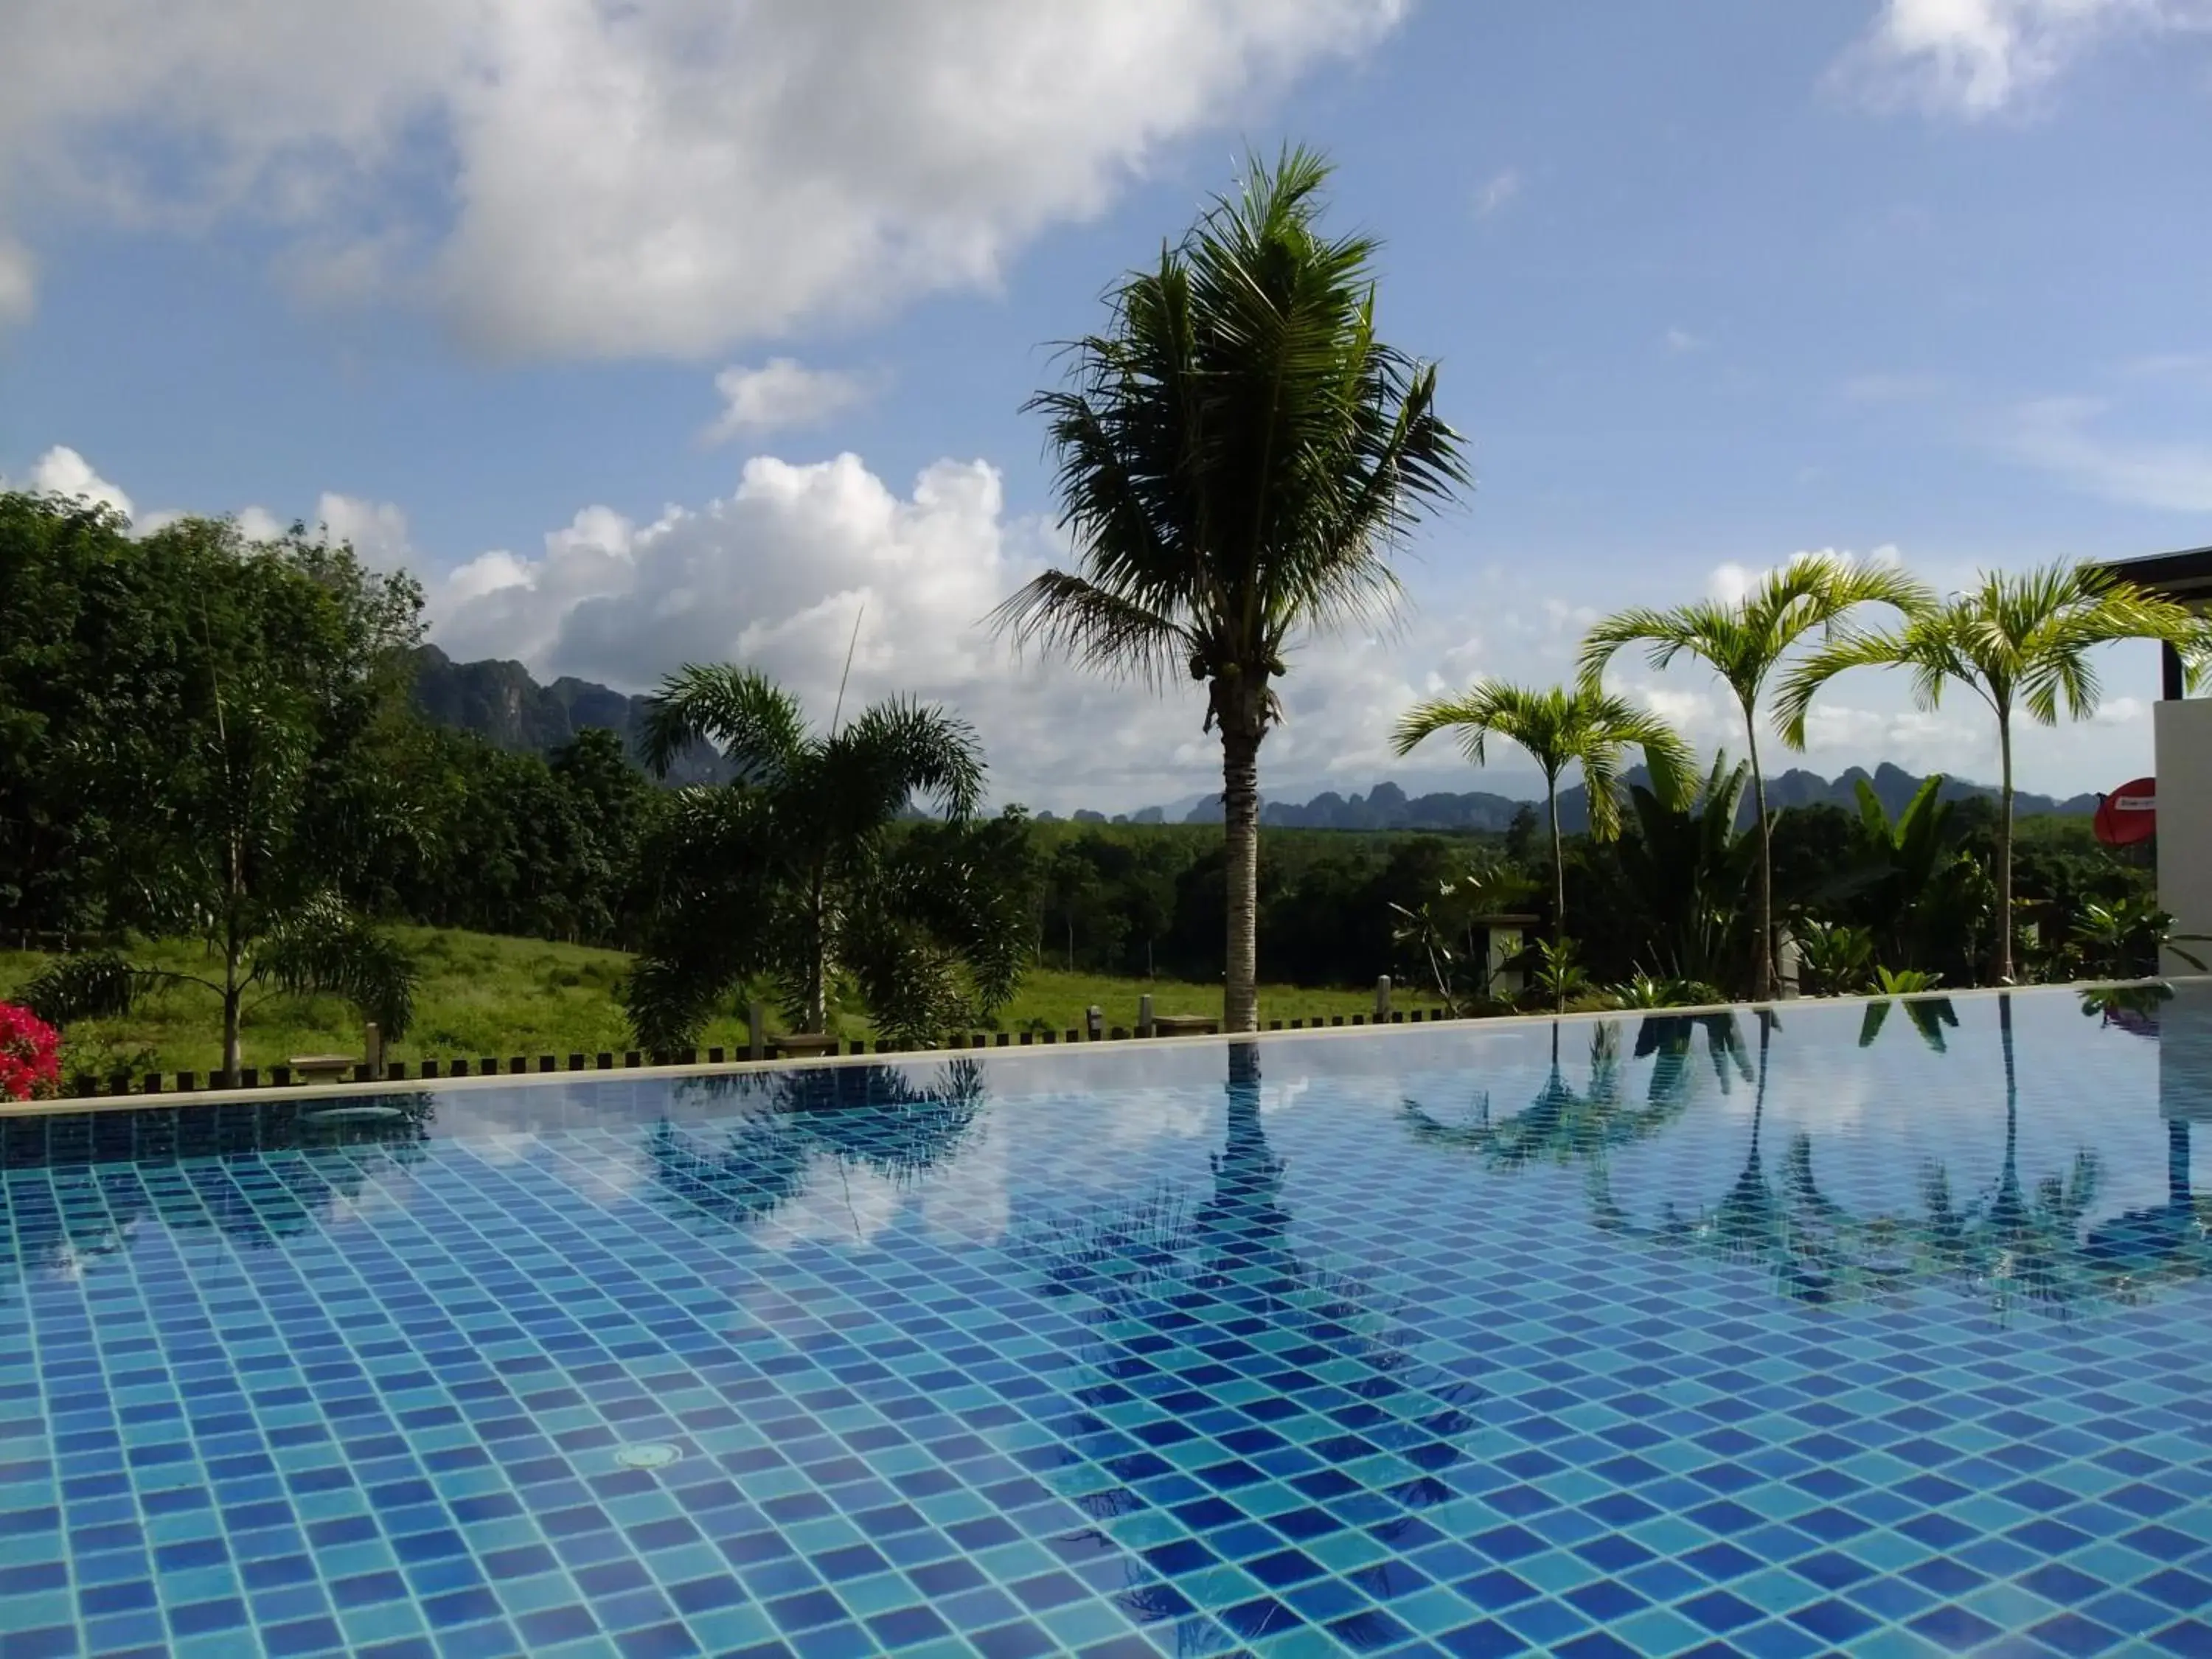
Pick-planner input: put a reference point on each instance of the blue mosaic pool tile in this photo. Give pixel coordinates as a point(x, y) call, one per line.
point(1302, 1348)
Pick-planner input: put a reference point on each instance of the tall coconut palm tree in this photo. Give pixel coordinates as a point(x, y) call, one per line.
point(2021, 641)
point(1237, 455)
point(1558, 727)
point(786, 871)
point(1744, 642)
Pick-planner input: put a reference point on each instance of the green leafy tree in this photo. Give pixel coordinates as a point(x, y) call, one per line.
point(791, 872)
point(1236, 456)
point(233, 686)
point(73, 593)
point(1744, 642)
point(1558, 727)
point(2023, 642)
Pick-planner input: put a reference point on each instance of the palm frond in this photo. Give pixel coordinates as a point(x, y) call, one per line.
point(1744, 642)
point(1558, 726)
point(757, 726)
point(1848, 650)
point(90, 985)
point(899, 749)
point(1072, 614)
point(681, 978)
point(322, 947)
point(1237, 453)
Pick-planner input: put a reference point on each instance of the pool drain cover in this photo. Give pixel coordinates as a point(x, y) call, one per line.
point(650, 1456)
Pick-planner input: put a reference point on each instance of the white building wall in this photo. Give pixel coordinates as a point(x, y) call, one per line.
point(2183, 733)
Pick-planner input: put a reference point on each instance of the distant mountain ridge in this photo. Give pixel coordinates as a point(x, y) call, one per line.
point(501, 703)
point(1387, 807)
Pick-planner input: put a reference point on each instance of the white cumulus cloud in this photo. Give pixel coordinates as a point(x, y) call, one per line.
point(781, 574)
point(659, 177)
point(782, 392)
point(62, 472)
point(1975, 57)
point(378, 529)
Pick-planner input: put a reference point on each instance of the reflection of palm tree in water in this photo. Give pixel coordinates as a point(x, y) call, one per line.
point(1227, 1288)
point(1564, 1125)
point(2173, 1241)
point(2019, 1249)
point(764, 1156)
point(1817, 1252)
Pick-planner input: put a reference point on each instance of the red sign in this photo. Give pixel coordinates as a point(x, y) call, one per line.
point(2129, 814)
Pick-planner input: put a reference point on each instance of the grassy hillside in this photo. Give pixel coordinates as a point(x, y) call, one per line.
point(485, 994)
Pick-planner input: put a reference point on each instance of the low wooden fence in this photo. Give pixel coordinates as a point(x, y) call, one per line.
point(429, 1071)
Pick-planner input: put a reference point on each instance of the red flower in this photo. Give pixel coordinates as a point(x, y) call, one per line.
point(30, 1054)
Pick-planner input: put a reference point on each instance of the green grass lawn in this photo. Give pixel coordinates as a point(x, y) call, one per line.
point(483, 995)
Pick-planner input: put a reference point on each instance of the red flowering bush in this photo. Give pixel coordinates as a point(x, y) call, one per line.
point(30, 1054)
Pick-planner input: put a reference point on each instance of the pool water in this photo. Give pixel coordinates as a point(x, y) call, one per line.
point(1882, 1330)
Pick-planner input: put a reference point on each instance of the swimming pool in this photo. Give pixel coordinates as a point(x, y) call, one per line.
point(1883, 1329)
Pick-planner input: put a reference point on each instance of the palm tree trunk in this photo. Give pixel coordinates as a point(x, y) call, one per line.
point(234, 949)
point(817, 948)
point(2005, 850)
point(1559, 906)
point(1240, 813)
point(1762, 961)
point(234, 999)
point(1559, 866)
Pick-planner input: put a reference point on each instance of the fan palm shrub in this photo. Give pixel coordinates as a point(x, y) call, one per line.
point(791, 873)
point(1237, 454)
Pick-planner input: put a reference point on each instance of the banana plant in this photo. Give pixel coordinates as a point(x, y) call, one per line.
point(1690, 870)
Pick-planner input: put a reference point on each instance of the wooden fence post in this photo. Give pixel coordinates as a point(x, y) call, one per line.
point(1145, 1015)
point(1382, 999)
point(757, 1025)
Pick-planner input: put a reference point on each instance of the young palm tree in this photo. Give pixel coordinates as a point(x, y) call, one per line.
point(316, 947)
point(1559, 728)
point(785, 871)
point(1744, 642)
point(2018, 640)
point(1236, 456)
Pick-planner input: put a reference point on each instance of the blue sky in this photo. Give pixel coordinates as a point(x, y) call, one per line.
point(701, 329)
